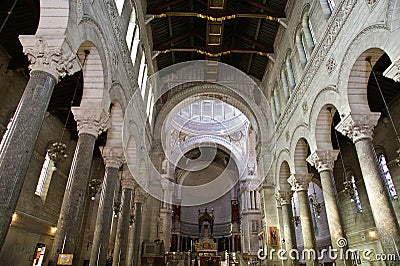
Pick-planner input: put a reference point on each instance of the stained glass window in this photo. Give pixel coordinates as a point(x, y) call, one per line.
point(387, 178)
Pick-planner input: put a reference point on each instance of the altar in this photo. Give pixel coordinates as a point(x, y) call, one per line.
point(206, 248)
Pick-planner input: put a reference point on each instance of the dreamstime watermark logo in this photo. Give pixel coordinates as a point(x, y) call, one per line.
point(333, 254)
point(183, 84)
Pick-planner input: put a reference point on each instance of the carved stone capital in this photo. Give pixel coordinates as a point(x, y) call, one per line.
point(358, 126)
point(323, 160)
point(300, 182)
point(393, 71)
point(91, 121)
point(113, 157)
point(284, 197)
point(50, 55)
point(140, 195)
point(127, 180)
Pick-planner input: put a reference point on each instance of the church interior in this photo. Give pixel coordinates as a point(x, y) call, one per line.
point(199, 132)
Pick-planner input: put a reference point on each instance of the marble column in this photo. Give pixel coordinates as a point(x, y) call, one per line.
point(300, 184)
point(90, 124)
point(113, 233)
point(113, 159)
point(131, 238)
point(138, 200)
point(47, 67)
point(359, 128)
point(284, 198)
point(323, 161)
point(121, 240)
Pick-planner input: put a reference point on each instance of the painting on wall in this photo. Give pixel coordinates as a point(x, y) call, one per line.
point(273, 236)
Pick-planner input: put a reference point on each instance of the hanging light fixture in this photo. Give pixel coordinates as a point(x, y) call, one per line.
point(397, 160)
point(348, 186)
point(94, 188)
point(317, 206)
point(296, 218)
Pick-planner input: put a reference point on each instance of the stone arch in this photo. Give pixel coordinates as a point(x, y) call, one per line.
point(220, 143)
point(283, 175)
point(93, 77)
point(90, 32)
point(321, 114)
point(117, 92)
point(50, 25)
point(358, 80)
point(372, 39)
point(114, 135)
point(257, 119)
point(300, 155)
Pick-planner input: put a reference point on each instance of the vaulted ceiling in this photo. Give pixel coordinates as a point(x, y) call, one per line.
point(237, 32)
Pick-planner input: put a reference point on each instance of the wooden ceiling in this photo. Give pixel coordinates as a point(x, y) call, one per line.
point(238, 32)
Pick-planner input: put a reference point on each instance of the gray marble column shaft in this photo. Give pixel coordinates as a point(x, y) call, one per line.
point(101, 237)
point(307, 228)
point(382, 210)
point(333, 214)
point(288, 230)
point(121, 241)
point(129, 259)
point(18, 147)
point(70, 219)
point(138, 232)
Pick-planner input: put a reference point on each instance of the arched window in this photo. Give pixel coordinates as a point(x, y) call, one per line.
point(142, 76)
point(387, 178)
point(277, 102)
point(301, 49)
point(289, 71)
point(308, 37)
point(120, 5)
point(273, 110)
point(133, 36)
point(46, 174)
point(351, 188)
point(285, 85)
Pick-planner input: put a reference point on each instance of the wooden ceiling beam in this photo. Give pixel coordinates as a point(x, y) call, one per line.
point(269, 10)
point(162, 7)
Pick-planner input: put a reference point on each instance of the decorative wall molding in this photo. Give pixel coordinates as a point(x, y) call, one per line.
point(314, 65)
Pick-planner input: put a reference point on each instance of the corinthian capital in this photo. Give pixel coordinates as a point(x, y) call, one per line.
point(300, 182)
point(323, 160)
point(92, 121)
point(50, 55)
point(283, 197)
point(358, 126)
point(393, 71)
point(127, 180)
point(113, 157)
point(140, 195)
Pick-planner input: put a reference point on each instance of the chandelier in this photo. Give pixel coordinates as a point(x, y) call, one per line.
point(348, 189)
point(57, 152)
point(94, 188)
point(316, 206)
